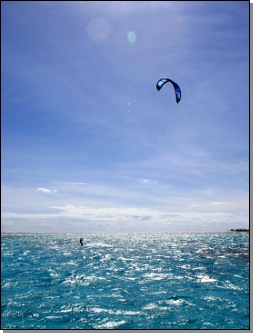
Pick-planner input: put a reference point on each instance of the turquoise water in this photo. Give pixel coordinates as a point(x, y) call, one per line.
point(140, 281)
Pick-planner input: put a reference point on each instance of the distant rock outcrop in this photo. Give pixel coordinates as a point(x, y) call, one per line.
point(239, 230)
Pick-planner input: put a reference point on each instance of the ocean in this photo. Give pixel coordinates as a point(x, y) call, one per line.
point(130, 281)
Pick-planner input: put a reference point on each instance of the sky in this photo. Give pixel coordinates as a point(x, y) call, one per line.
point(89, 145)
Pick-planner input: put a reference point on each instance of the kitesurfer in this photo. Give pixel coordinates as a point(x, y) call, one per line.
point(81, 241)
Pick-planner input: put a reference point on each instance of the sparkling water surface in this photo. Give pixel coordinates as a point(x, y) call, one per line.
point(140, 281)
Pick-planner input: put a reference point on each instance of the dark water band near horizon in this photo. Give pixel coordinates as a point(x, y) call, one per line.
point(138, 281)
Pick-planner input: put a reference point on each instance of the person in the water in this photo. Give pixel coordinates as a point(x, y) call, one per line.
point(81, 241)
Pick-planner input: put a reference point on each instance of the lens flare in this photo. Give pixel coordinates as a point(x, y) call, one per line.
point(131, 37)
point(98, 29)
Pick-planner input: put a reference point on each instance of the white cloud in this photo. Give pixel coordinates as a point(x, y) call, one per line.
point(107, 213)
point(46, 190)
point(131, 219)
point(219, 203)
point(148, 181)
point(141, 205)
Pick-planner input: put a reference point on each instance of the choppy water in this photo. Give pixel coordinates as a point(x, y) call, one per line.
point(170, 281)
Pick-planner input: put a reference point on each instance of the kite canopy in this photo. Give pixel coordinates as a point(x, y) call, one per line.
point(164, 80)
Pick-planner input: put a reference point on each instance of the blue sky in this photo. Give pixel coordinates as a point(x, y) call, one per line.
point(90, 145)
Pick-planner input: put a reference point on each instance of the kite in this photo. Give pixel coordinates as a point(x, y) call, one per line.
point(164, 80)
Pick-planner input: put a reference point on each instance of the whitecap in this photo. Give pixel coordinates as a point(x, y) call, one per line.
point(98, 244)
point(53, 317)
point(150, 306)
point(230, 285)
point(110, 324)
point(66, 310)
point(205, 278)
point(175, 301)
point(155, 276)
